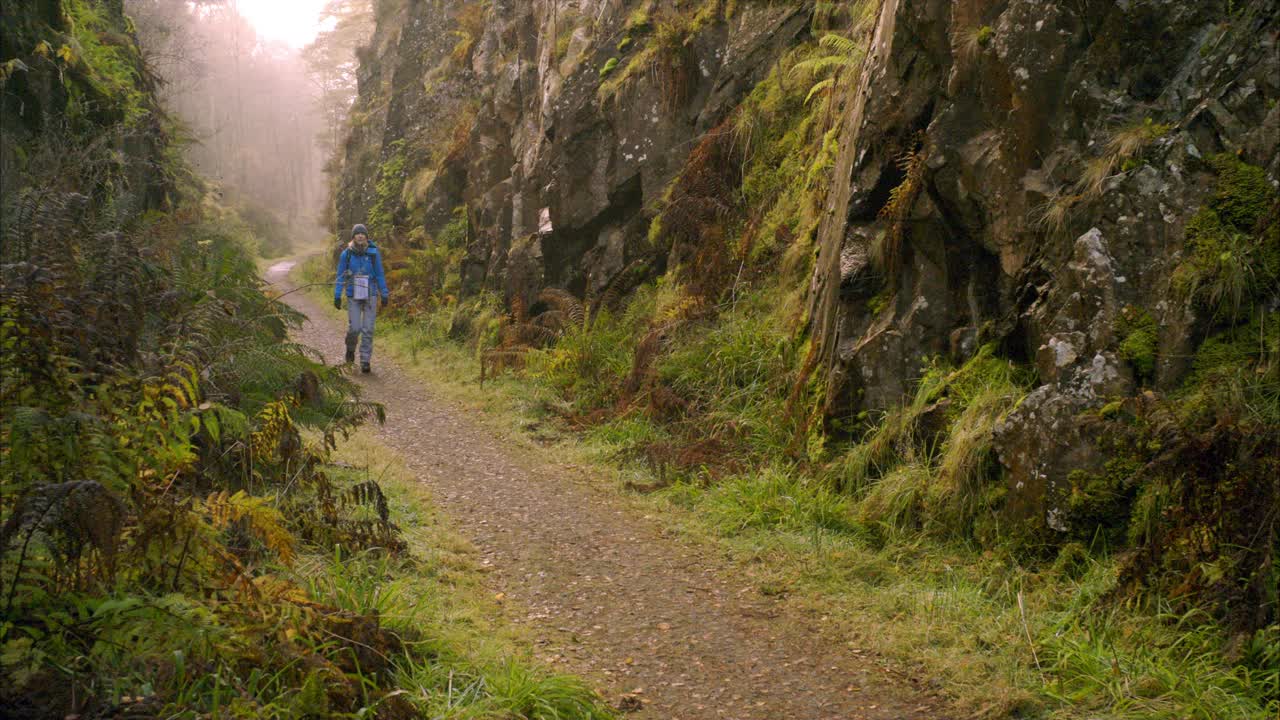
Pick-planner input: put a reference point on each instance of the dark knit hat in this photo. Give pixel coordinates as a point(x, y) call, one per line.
point(359, 230)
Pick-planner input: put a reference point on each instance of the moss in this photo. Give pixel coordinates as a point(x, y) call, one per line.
point(1111, 409)
point(1139, 339)
point(789, 159)
point(568, 21)
point(562, 43)
point(388, 192)
point(1072, 561)
point(609, 66)
point(984, 35)
point(624, 44)
point(710, 12)
point(666, 59)
point(1231, 264)
point(879, 302)
point(1242, 193)
point(1097, 504)
point(1236, 372)
point(638, 21)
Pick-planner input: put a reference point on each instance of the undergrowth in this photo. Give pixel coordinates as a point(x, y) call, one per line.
point(900, 531)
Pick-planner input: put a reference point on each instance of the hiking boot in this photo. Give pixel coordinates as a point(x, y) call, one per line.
point(351, 355)
point(364, 368)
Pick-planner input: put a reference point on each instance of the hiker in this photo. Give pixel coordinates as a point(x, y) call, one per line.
point(360, 273)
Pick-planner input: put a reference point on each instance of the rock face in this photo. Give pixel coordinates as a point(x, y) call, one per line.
point(1011, 106)
point(563, 170)
point(1017, 172)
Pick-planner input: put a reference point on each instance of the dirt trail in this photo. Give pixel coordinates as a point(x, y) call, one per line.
point(659, 624)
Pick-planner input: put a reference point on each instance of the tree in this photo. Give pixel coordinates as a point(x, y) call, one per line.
point(331, 64)
point(247, 106)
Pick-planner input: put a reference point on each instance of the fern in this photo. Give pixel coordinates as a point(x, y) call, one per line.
point(617, 287)
point(257, 517)
point(840, 45)
point(887, 251)
point(65, 519)
point(822, 87)
point(566, 303)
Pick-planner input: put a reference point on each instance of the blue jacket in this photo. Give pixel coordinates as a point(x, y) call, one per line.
point(360, 263)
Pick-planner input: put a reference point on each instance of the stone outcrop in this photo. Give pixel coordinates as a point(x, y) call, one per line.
point(563, 176)
point(1009, 104)
point(1053, 152)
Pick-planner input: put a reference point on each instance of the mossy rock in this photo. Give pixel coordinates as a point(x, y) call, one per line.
point(1073, 561)
point(1097, 504)
point(1232, 257)
point(1242, 193)
point(1139, 337)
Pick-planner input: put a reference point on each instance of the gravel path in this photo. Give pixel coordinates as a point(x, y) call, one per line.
point(662, 626)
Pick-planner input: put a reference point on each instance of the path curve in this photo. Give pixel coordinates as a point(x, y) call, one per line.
point(662, 626)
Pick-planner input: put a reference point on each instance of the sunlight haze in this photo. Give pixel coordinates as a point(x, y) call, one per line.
point(293, 22)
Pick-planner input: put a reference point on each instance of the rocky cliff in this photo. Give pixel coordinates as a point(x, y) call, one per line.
point(1065, 150)
point(511, 114)
point(1086, 190)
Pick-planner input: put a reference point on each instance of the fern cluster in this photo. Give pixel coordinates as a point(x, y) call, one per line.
point(158, 483)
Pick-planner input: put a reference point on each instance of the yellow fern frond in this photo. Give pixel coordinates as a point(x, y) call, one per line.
point(274, 421)
point(822, 87)
point(839, 44)
point(276, 589)
point(259, 518)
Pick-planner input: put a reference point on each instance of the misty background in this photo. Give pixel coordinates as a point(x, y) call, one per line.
point(260, 94)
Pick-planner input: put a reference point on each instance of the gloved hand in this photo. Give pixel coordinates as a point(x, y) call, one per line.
point(337, 303)
point(386, 300)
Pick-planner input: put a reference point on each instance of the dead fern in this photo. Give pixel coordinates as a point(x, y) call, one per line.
point(887, 251)
point(253, 514)
point(615, 291)
point(568, 305)
point(553, 320)
point(647, 352)
point(369, 493)
point(497, 360)
point(673, 68)
point(702, 202)
point(641, 380)
point(70, 519)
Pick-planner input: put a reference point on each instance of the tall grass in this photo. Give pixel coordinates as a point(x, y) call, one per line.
point(937, 480)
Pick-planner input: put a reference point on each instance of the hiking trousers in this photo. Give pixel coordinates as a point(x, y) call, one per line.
point(360, 316)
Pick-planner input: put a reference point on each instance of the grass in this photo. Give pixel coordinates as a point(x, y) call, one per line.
point(971, 42)
point(1005, 636)
point(1124, 146)
point(462, 660)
